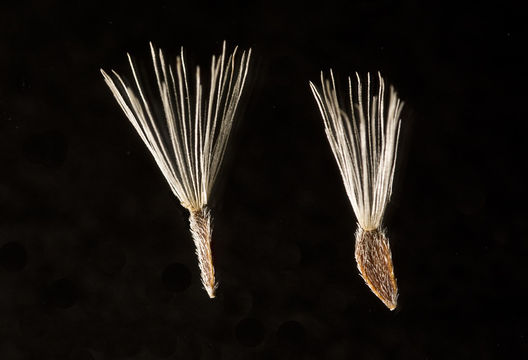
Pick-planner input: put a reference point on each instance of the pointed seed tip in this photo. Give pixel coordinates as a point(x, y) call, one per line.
point(391, 305)
point(211, 291)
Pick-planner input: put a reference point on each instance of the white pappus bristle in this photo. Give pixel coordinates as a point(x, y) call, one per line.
point(188, 140)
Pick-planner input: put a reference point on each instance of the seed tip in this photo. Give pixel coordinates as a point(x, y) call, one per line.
point(211, 290)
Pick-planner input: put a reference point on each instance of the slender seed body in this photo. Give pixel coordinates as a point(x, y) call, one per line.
point(200, 225)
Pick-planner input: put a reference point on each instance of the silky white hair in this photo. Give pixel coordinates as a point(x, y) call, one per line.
point(364, 141)
point(189, 139)
point(198, 124)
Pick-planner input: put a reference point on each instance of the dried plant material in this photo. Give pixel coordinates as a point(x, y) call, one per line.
point(374, 261)
point(200, 224)
point(188, 140)
point(364, 141)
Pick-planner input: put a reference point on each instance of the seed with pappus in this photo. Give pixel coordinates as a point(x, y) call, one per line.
point(188, 140)
point(364, 140)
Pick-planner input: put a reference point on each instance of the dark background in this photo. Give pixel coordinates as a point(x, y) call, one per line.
point(96, 261)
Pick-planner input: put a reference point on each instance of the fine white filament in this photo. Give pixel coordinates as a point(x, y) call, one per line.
point(188, 138)
point(364, 141)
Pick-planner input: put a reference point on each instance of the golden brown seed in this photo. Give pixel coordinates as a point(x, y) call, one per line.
point(374, 260)
point(188, 139)
point(200, 224)
point(364, 140)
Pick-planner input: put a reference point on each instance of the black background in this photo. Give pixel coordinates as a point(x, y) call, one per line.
point(96, 261)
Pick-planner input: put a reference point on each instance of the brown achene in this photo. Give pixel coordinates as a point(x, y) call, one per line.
point(189, 137)
point(364, 141)
point(374, 261)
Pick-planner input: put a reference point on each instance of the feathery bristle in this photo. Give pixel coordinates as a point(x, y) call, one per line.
point(198, 126)
point(364, 141)
point(188, 141)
